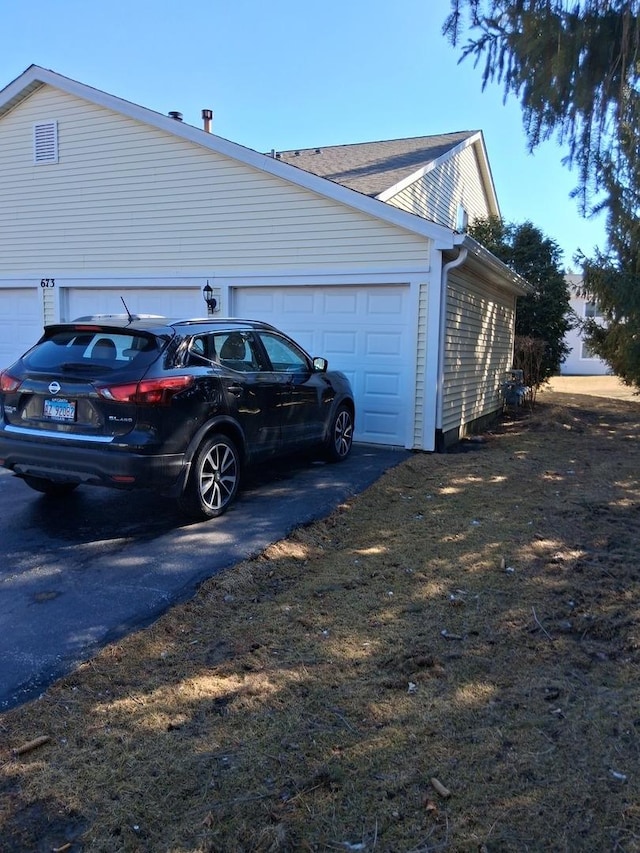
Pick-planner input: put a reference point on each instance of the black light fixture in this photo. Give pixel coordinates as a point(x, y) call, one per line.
point(209, 298)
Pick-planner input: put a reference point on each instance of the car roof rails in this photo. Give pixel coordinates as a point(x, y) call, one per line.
point(130, 317)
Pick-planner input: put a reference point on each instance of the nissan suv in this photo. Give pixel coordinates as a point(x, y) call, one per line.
point(183, 407)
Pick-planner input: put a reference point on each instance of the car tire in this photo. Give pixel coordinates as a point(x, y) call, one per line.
point(49, 487)
point(340, 438)
point(213, 480)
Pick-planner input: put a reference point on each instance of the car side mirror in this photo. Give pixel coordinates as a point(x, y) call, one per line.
point(320, 365)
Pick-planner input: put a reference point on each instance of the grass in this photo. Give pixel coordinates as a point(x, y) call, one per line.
point(448, 662)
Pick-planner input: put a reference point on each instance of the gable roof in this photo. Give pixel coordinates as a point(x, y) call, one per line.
point(399, 162)
point(382, 169)
point(35, 77)
point(372, 167)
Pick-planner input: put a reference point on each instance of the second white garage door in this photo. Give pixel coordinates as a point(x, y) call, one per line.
point(364, 331)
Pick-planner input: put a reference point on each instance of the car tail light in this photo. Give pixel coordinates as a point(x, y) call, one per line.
point(9, 382)
point(151, 392)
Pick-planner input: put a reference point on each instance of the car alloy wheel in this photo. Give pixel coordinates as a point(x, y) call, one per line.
point(340, 435)
point(213, 480)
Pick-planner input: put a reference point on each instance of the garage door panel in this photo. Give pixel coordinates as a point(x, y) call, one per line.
point(361, 331)
point(379, 427)
point(384, 344)
point(262, 305)
point(339, 343)
point(384, 385)
point(386, 305)
point(340, 303)
point(297, 303)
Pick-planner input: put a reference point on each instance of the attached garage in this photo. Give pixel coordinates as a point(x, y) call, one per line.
point(139, 207)
point(364, 331)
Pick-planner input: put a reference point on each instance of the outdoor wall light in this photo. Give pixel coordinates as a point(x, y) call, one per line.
point(209, 298)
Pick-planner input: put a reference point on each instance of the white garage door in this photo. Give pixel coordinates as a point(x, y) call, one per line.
point(166, 301)
point(20, 321)
point(363, 331)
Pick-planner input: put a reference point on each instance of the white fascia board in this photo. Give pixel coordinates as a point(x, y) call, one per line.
point(485, 169)
point(476, 140)
point(19, 89)
point(34, 76)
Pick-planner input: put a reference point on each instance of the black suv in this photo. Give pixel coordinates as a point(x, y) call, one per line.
point(178, 406)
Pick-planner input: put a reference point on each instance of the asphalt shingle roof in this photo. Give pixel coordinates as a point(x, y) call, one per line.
point(372, 167)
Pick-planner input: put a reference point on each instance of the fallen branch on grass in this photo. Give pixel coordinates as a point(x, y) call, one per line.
point(540, 625)
point(440, 788)
point(31, 745)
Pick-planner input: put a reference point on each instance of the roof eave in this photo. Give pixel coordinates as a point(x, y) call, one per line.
point(19, 90)
point(492, 267)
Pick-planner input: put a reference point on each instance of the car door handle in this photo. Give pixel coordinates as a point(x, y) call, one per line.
point(235, 389)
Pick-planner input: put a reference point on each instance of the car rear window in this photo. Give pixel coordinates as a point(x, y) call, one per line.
point(99, 350)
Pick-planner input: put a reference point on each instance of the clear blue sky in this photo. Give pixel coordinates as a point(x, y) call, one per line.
point(290, 74)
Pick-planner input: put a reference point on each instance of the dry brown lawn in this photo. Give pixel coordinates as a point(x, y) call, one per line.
point(449, 662)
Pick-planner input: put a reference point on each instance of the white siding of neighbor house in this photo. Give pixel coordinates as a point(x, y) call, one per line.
point(478, 349)
point(127, 197)
point(580, 361)
point(440, 191)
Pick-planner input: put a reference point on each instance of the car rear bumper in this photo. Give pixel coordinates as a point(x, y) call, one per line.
point(91, 463)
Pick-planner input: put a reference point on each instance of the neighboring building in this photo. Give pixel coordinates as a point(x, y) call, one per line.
point(357, 251)
point(581, 361)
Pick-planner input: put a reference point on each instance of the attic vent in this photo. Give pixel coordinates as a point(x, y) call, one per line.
point(45, 142)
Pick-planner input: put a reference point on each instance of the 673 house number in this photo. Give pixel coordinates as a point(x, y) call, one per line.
point(47, 282)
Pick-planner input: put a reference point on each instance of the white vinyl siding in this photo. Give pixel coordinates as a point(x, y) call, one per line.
point(126, 196)
point(478, 350)
point(580, 361)
point(439, 193)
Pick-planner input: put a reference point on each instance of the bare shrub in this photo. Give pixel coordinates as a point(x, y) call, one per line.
point(529, 356)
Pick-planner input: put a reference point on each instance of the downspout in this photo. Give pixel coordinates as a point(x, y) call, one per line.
point(450, 265)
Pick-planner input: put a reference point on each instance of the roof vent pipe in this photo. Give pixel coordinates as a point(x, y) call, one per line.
point(207, 118)
point(174, 114)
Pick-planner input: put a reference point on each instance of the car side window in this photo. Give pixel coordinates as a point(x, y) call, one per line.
point(284, 356)
point(200, 351)
point(237, 351)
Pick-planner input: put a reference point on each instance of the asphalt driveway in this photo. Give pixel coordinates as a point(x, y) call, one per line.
point(82, 572)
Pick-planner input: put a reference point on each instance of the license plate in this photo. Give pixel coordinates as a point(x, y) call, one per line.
point(60, 410)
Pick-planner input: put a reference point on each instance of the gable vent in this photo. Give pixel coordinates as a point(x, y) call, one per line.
point(45, 142)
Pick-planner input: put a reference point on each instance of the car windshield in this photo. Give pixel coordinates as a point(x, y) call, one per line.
point(90, 351)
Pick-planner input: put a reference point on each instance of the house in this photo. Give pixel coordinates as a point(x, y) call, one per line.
point(581, 361)
point(359, 252)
